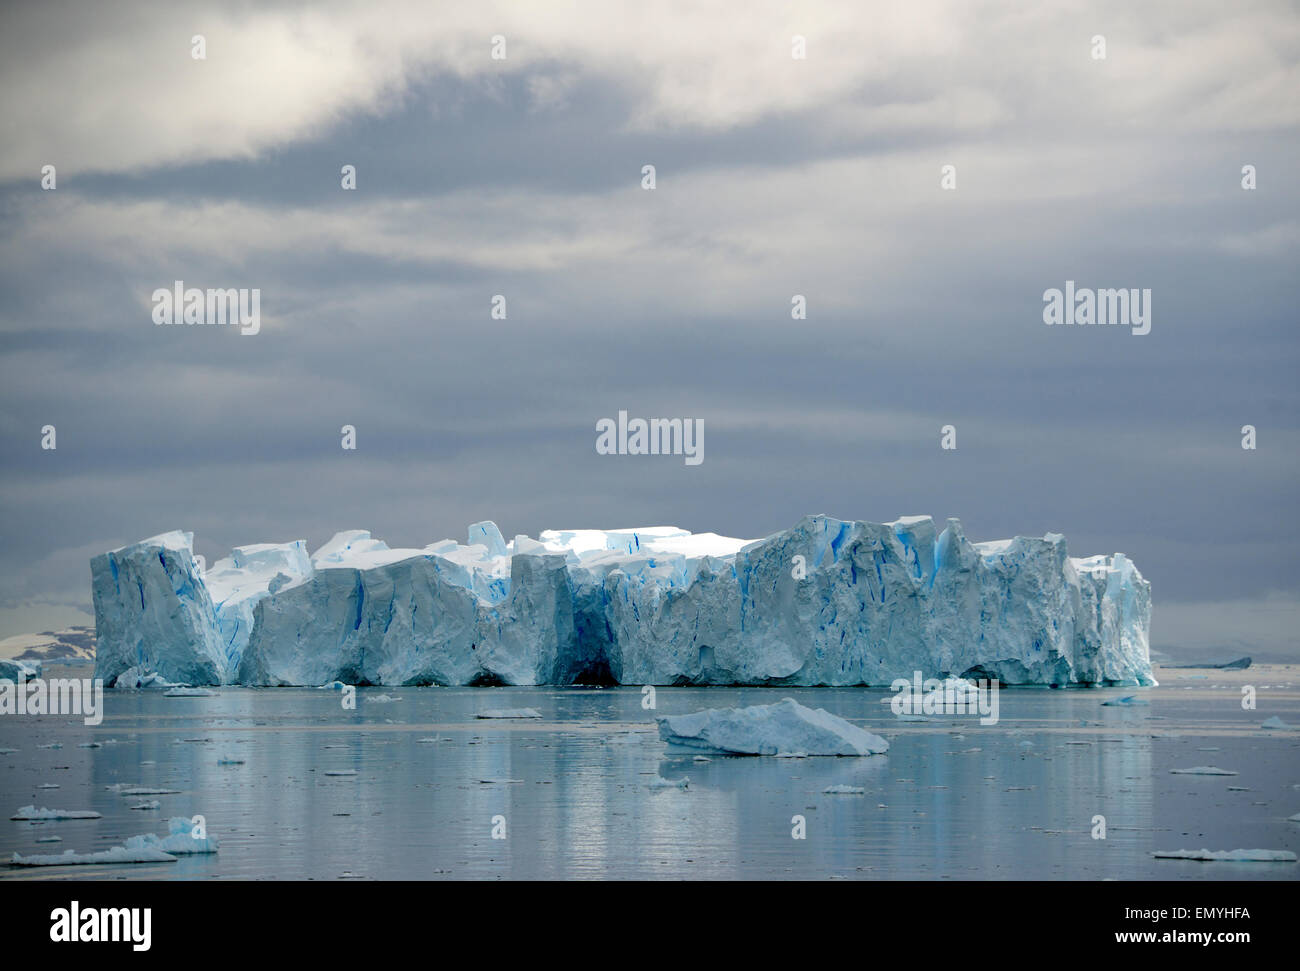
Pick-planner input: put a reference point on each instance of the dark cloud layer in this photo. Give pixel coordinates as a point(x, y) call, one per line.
point(924, 310)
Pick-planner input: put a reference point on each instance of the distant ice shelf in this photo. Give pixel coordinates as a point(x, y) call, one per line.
point(827, 602)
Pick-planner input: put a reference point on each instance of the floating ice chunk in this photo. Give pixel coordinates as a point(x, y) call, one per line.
point(188, 693)
point(182, 839)
point(49, 839)
point(843, 790)
point(147, 791)
point(151, 804)
point(8, 751)
point(782, 728)
point(1275, 722)
point(1228, 856)
point(229, 760)
point(31, 812)
point(116, 854)
point(1127, 701)
point(381, 699)
point(681, 783)
point(341, 772)
point(138, 679)
point(48, 785)
point(509, 713)
point(11, 669)
point(1202, 770)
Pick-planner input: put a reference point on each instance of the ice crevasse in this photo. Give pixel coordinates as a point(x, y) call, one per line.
point(827, 602)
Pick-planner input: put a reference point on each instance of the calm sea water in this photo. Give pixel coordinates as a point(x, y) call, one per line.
point(952, 799)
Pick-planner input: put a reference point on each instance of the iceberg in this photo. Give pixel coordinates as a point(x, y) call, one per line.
point(786, 727)
point(826, 602)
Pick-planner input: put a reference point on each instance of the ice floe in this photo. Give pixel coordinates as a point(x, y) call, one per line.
point(785, 727)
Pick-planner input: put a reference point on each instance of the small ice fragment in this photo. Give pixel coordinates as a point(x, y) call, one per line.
point(1275, 722)
point(147, 791)
point(151, 804)
point(31, 812)
point(181, 840)
point(341, 772)
point(1130, 701)
point(509, 713)
point(188, 693)
point(1202, 770)
point(681, 783)
point(844, 790)
point(1230, 856)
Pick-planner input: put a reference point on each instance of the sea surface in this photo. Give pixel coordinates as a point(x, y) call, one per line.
point(574, 793)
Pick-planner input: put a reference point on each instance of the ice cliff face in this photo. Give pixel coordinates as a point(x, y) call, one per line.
point(824, 603)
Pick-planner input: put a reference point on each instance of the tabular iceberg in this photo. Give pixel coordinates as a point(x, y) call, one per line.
point(827, 602)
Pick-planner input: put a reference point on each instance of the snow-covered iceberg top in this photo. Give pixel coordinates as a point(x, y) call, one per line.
point(785, 728)
point(827, 602)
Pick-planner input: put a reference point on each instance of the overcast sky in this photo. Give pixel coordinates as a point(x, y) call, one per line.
point(775, 176)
